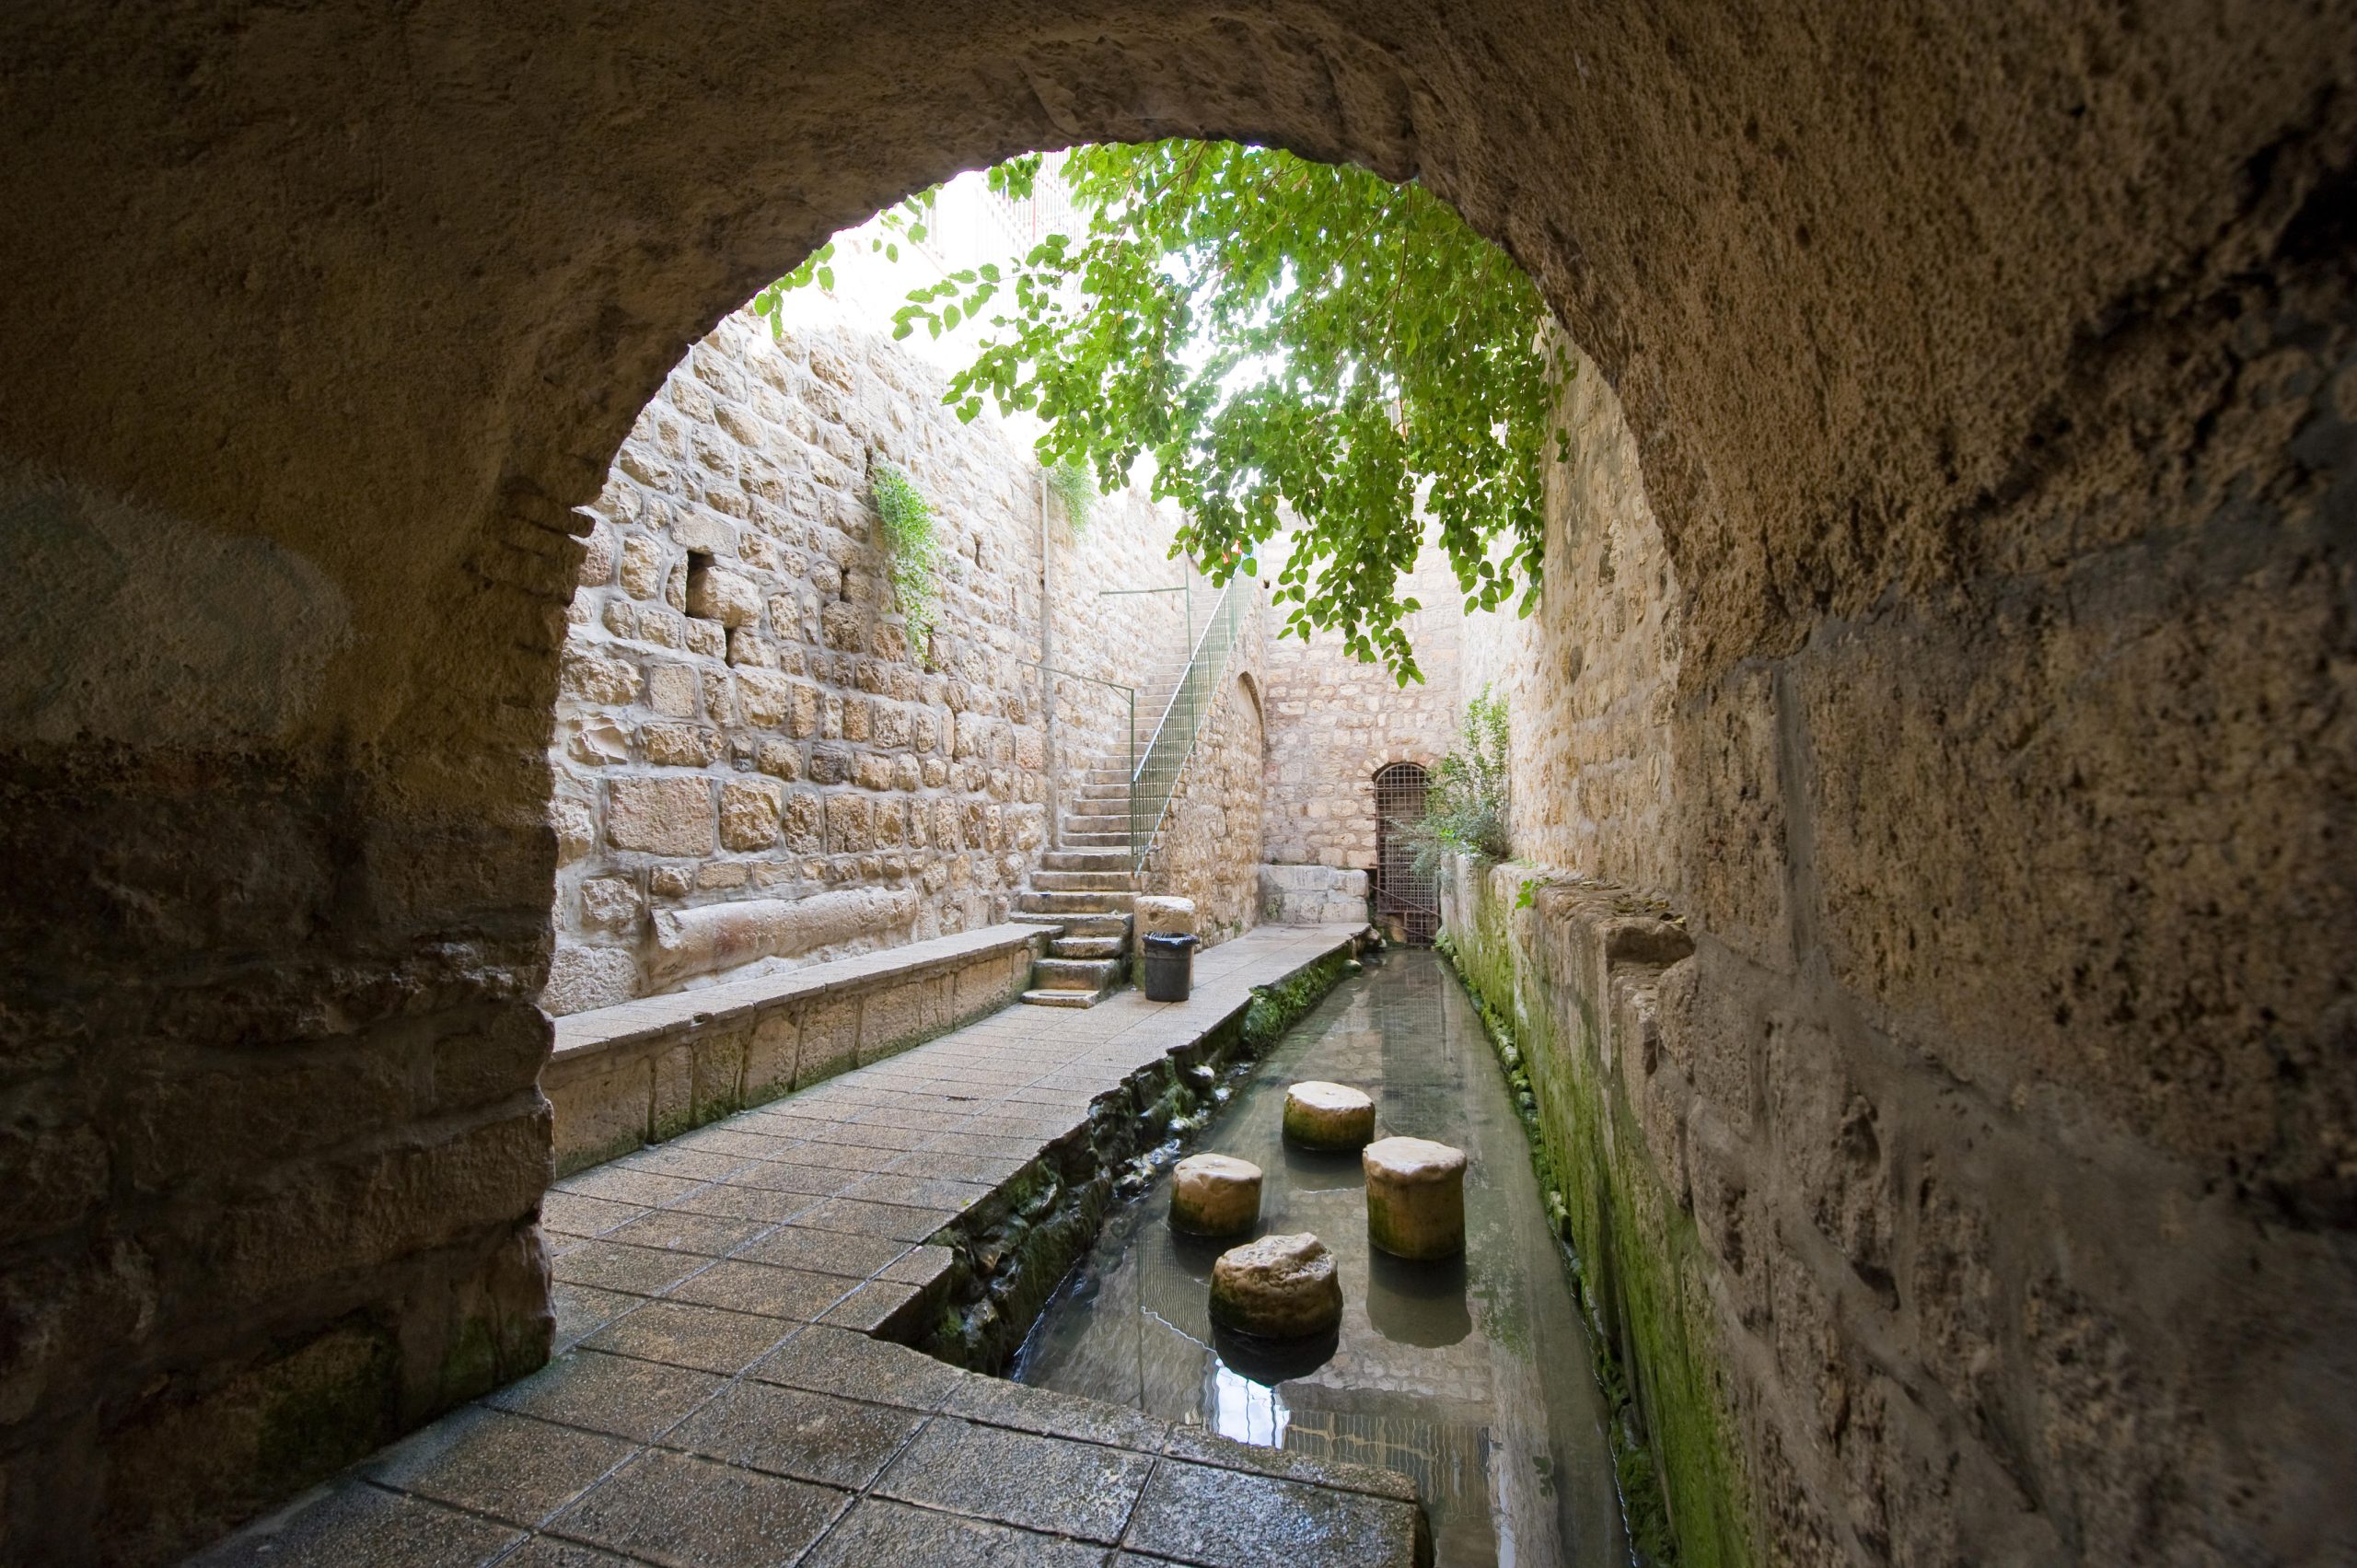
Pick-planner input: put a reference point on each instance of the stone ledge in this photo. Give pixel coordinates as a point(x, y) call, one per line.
point(681, 1013)
point(649, 1070)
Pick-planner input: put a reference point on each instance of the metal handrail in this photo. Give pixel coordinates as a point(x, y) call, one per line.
point(1207, 660)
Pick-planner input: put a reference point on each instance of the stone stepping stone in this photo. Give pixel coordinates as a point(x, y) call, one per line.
point(1279, 1287)
point(1416, 1197)
point(1214, 1195)
point(1319, 1115)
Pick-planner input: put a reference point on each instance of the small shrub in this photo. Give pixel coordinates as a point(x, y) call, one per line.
point(1076, 487)
point(912, 553)
point(1465, 812)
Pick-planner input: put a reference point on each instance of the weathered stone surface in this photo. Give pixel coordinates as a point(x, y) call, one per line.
point(1214, 1195)
point(1279, 1287)
point(1319, 1115)
point(660, 815)
point(719, 937)
point(1416, 1197)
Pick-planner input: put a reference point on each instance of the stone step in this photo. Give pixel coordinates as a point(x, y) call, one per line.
point(1076, 904)
point(1082, 881)
point(1087, 860)
point(1077, 974)
point(1112, 806)
point(1063, 998)
point(1087, 946)
point(1091, 925)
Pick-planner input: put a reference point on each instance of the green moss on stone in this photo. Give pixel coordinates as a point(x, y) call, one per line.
point(1639, 1272)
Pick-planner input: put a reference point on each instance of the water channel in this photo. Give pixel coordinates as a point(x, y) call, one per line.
point(1472, 1376)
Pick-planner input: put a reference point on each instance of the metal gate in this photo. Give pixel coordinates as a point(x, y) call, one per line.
point(1407, 906)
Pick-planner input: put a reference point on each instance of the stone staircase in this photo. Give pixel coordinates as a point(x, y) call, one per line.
point(1085, 889)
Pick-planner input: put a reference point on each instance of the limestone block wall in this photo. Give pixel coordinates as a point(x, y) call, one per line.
point(1312, 895)
point(1210, 846)
point(754, 766)
point(1590, 677)
point(1333, 722)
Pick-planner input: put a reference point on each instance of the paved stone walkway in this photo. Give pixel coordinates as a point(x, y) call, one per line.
point(726, 1390)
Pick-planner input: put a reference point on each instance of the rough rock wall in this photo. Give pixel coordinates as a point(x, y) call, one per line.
point(1333, 722)
point(744, 728)
point(1988, 367)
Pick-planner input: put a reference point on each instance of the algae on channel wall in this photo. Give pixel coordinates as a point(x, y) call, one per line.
point(1543, 976)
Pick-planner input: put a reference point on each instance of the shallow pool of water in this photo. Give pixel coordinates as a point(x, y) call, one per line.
point(1472, 1377)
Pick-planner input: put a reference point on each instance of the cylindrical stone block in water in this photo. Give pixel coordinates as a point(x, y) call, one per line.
point(1279, 1287)
point(1319, 1115)
point(1416, 1197)
point(1214, 1195)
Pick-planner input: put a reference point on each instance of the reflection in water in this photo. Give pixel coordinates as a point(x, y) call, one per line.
point(1469, 1376)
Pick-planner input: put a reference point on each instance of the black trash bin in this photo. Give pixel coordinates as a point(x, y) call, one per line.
point(1170, 968)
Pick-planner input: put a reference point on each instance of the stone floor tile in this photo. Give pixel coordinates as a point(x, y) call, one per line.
point(1208, 1448)
point(506, 1466)
point(859, 1136)
point(1226, 1518)
point(548, 1552)
point(991, 1170)
point(998, 1402)
point(681, 1334)
point(610, 1265)
point(922, 1267)
point(615, 1394)
point(670, 1159)
point(644, 1188)
point(747, 1202)
point(570, 1213)
point(357, 1526)
point(837, 1361)
point(879, 1532)
point(691, 1513)
point(824, 1252)
point(1018, 1478)
point(885, 1308)
point(783, 1176)
point(889, 1220)
point(711, 1235)
point(918, 1191)
point(728, 1138)
point(985, 1145)
point(797, 1295)
point(582, 1311)
point(796, 1432)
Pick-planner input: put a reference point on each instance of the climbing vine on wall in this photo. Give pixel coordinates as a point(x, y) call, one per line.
point(1464, 810)
point(912, 553)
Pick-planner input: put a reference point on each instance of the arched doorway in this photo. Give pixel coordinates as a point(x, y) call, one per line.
point(1407, 901)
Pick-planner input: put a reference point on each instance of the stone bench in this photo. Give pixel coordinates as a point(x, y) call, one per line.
point(648, 1070)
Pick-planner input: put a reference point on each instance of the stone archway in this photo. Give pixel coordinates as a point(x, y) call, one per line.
point(1996, 424)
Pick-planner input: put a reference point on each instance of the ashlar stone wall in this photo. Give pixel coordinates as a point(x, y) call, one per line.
point(754, 766)
point(1333, 722)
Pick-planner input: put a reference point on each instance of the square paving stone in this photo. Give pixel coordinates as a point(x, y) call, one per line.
point(845, 1157)
point(1205, 1446)
point(619, 1394)
point(709, 1235)
point(357, 1526)
point(736, 1141)
point(702, 1338)
point(494, 1463)
point(797, 1295)
point(889, 1220)
point(691, 1513)
point(795, 1431)
point(919, 1191)
point(919, 1266)
point(582, 1311)
point(1222, 1519)
point(1001, 1403)
point(570, 1213)
point(861, 1136)
point(824, 1252)
point(990, 1171)
point(547, 1551)
point(670, 1159)
point(729, 1202)
point(809, 1181)
point(1016, 1478)
point(646, 1188)
point(883, 1307)
point(879, 1531)
point(611, 1265)
point(837, 1361)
